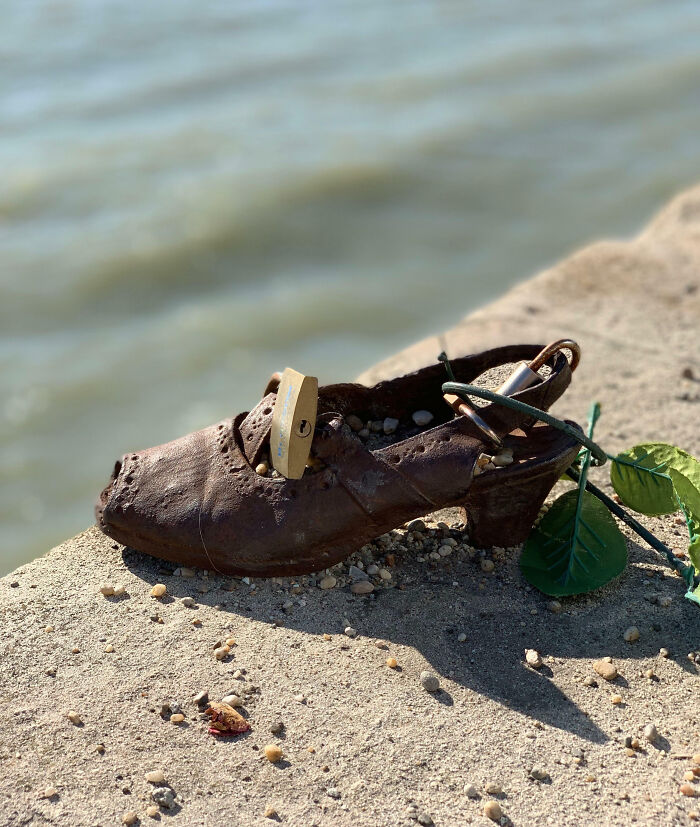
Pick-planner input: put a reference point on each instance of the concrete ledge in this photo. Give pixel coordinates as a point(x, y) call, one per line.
point(370, 734)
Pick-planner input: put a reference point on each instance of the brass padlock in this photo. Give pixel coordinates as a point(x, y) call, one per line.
point(524, 376)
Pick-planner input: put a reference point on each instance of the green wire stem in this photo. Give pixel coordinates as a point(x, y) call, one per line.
point(637, 527)
point(464, 391)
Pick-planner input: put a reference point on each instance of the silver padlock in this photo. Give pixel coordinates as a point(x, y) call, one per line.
point(524, 376)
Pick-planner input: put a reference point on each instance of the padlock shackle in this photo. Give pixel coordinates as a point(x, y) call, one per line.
point(554, 348)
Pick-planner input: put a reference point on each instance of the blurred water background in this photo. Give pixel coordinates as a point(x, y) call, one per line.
point(196, 194)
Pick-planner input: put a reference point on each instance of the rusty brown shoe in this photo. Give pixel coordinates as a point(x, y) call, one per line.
point(198, 501)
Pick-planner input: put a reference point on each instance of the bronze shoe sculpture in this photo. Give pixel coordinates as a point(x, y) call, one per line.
point(198, 501)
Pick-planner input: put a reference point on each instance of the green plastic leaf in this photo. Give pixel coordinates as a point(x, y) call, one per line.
point(565, 555)
point(689, 498)
point(641, 479)
point(694, 595)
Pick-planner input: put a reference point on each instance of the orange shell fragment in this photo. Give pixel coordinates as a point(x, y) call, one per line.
point(225, 720)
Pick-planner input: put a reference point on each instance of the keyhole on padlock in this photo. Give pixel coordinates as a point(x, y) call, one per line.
point(304, 428)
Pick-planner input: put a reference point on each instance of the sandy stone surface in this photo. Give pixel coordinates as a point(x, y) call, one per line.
point(365, 744)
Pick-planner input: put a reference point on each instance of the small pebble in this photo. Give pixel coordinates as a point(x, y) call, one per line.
point(589, 681)
point(164, 797)
point(649, 673)
point(605, 669)
point(202, 698)
point(177, 718)
point(631, 634)
point(689, 776)
point(333, 792)
point(188, 602)
point(262, 468)
point(130, 818)
point(107, 590)
point(109, 648)
point(390, 425)
point(49, 792)
point(385, 574)
point(119, 591)
point(159, 590)
point(500, 460)
point(355, 422)
point(422, 418)
point(492, 810)
point(350, 632)
point(373, 570)
point(493, 788)
point(230, 641)
point(471, 791)
point(425, 819)
point(696, 758)
point(270, 812)
point(362, 587)
point(152, 811)
point(651, 733)
point(221, 652)
point(356, 573)
point(687, 789)
point(533, 658)
point(487, 565)
point(554, 606)
point(539, 774)
point(429, 682)
point(273, 753)
point(461, 637)
point(616, 700)
point(392, 663)
point(232, 700)
point(74, 718)
point(663, 652)
point(155, 777)
point(185, 572)
point(300, 698)
point(100, 748)
point(277, 727)
point(327, 582)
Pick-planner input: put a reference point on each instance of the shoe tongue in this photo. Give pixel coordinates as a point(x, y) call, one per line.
point(255, 428)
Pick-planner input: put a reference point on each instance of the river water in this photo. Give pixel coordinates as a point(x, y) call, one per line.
point(196, 194)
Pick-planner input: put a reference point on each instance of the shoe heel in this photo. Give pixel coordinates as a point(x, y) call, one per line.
point(502, 514)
